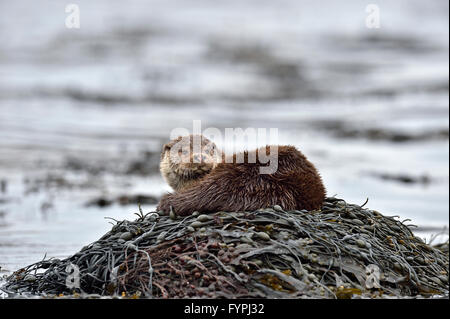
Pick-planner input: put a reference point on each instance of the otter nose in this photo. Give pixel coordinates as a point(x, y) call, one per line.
point(198, 158)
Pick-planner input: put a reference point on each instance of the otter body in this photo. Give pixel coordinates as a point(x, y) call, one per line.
point(233, 186)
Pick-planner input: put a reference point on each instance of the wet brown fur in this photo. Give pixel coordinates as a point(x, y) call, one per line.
point(240, 186)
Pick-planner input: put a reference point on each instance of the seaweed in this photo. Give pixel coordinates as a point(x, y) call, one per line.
point(334, 252)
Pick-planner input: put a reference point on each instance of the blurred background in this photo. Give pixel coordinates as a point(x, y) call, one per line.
point(84, 112)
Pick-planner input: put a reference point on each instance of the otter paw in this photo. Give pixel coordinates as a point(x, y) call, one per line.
point(169, 201)
point(164, 204)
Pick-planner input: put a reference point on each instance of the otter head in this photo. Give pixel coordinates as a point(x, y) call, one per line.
point(186, 159)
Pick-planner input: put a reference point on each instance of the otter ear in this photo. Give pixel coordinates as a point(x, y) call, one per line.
point(165, 148)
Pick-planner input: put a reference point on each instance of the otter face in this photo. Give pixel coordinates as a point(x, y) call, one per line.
point(186, 159)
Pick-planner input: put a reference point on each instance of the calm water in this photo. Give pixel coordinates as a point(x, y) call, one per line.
point(83, 113)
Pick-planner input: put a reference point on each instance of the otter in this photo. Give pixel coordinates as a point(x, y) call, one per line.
point(207, 182)
point(186, 166)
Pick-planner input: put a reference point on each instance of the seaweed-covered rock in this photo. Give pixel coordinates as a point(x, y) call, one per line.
point(341, 251)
